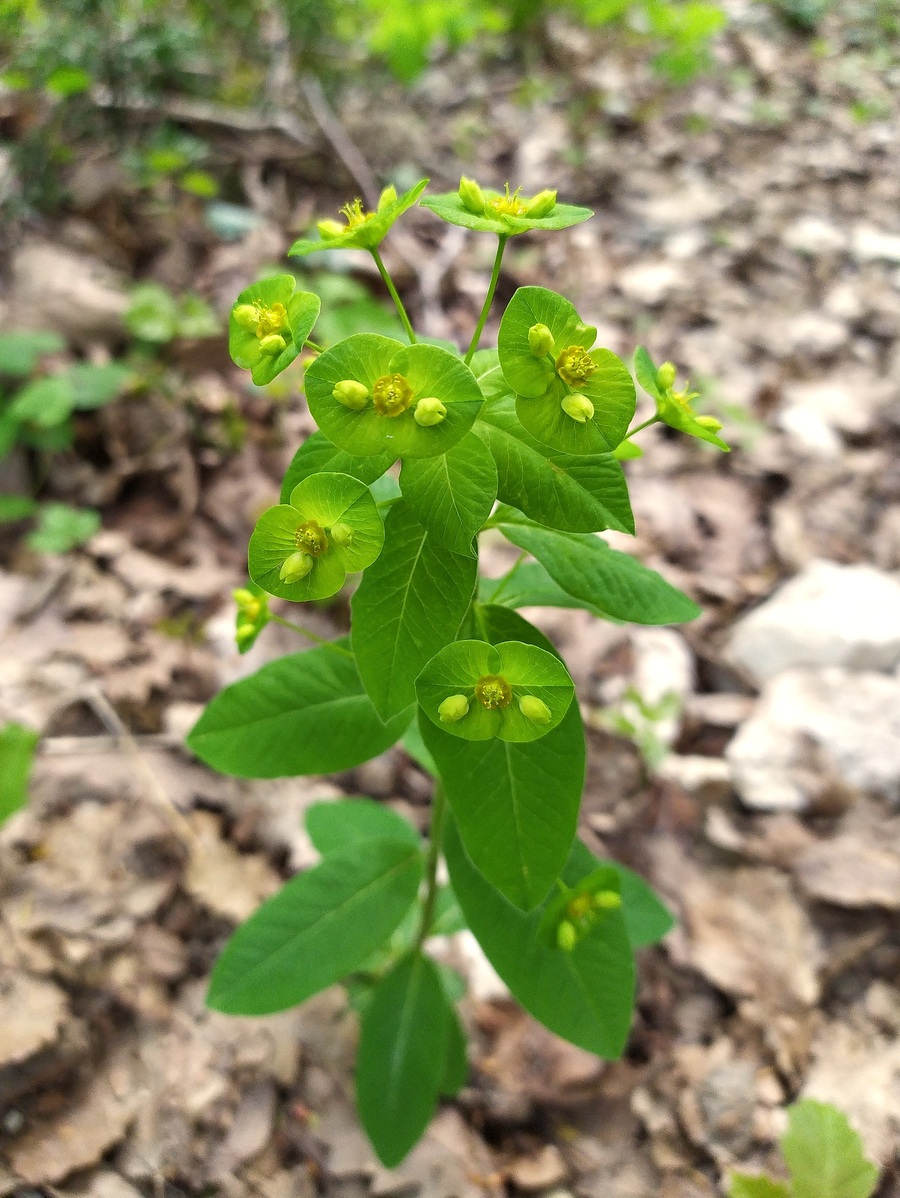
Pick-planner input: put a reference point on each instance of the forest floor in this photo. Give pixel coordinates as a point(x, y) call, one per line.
point(747, 228)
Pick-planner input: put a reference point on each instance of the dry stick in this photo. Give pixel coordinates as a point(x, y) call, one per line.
point(341, 141)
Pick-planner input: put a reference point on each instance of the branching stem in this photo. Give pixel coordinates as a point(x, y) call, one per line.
point(311, 636)
point(506, 577)
point(637, 428)
point(488, 299)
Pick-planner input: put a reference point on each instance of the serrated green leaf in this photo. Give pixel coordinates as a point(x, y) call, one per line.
point(402, 1057)
point(318, 928)
point(586, 568)
point(17, 746)
point(450, 208)
point(746, 1185)
point(565, 491)
point(825, 1155)
point(429, 371)
point(333, 826)
point(531, 586)
point(409, 605)
point(452, 494)
point(306, 713)
point(586, 995)
point(317, 455)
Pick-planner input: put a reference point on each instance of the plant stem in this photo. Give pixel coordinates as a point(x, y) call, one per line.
point(489, 298)
point(398, 302)
point(312, 636)
point(506, 577)
point(435, 838)
point(637, 428)
point(314, 346)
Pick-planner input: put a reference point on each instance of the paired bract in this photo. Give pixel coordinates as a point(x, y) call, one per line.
point(269, 324)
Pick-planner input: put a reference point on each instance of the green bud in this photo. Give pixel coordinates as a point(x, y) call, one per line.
point(330, 228)
point(606, 900)
point(541, 205)
point(665, 376)
point(245, 631)
point(429, 411)
point(472, 196)
point(387, 197)
point(246, 315)
point(351, 394)
point(566, 936)
point(243, 597)
point(534, 709)
point(540, 340)
point(272, 345)
point(453, 709)
point(579, 407)
point(709, 423)
point(296, 567)
point(341, 534)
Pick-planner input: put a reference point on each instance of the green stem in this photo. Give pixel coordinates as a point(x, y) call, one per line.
point(637, 428)
point(489, 298)
point(312, 636)
point(398, 302)
point(506, 577)
point(314, 346)
point(435, 839)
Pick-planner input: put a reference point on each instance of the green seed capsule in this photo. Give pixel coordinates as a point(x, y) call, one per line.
point(341, 534)
point(471, 196)
point(296, 567)
point(606, 900)
point(541, 205)
point(540, 340)
point(429, 412)
point(352, 394)
point(709, 423)
point(579, 407)
point(534, 709)
point(246, 315)
point(272, 345)
point(453, 709)
point(566, 936)
point(665, 376)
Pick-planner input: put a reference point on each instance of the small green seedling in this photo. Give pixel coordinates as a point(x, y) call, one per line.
point(824, 1155)
point(17, 745)
point(524, 442)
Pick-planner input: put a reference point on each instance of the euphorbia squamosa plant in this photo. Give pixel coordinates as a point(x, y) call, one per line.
point(524, 440)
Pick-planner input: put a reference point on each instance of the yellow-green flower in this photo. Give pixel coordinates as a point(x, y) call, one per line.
point(503, 212)
point(360, 230)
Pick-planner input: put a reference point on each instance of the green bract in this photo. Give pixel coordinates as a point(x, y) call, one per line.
point(674, 407)
point(514, 691)
point(574, 398)
point(397, 378)
point(268, 325)
point(252, 615)
point(502, 213)
point(361, 230)
point(305, 549)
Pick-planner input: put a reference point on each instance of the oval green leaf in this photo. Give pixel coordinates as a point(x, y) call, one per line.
point(333, 826)
point(452, 494)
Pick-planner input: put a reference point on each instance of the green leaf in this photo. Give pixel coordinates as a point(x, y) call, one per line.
point(450, 208)
point(452, 494)
point(586, 568)
point(402, 1055)
point(674, 407)
point(45, 402)
point(61, 528)
point(17, 745)
point(428, 371)
point(745, 1185)
point(456, 1062)
point(516, 804)
point(565, 491)
point(367, 229)
point(646, 374)
point(647, 919)
point(317, 455)
point(333, 519)
point(153, 314)
point(96, 386)
point(319, 927)
point(306, 713)
point(16, 507)
point(586, 995)
point(21, 352)
point(824, 1154)
point(531, 586)
point(448, 917)
point(520, 674)
point(298, 311)
point(410, 603)
point(333, 826)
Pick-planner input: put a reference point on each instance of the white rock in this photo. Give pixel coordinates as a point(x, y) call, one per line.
point(663, 666)
point(817, 733)
point(814, 236)
point(850, 403)
point(874, 245)
point(814, 333)
point(809, 434)
point(651, 282)
point(830, 615)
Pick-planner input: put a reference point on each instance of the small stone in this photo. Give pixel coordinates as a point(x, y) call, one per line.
point(546, 1168)
point(869, 244)
point(815, 237)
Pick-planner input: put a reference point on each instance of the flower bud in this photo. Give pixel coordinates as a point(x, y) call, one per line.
point(566, 936)
point(709, 423)
point(665, 376)
point(471, 196)
point(429, 411)
point(243, 597)
point(534, 709)
point(341, 534)
point(579, 407)
point(453, 709)
point(330, 228)
point(272, 345)
point(351, 394)
point(541, 205)
point(243, 632)
point(387, 197)
point(296, 567)
point(606, 900)
point(246, 315)
point(540, 340)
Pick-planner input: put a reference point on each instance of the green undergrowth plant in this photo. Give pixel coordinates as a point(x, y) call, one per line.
point(17, 746)
point(521, 442)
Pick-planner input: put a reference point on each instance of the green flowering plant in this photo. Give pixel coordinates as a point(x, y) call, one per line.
point(674, 407)
point(269, 325)
point(361, 230)
point(420, 451)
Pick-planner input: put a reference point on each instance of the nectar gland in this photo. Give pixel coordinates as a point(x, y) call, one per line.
point(493, 692)
point(575, 365)
point(265, 320)
point(391, 395)
point(311, 538)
